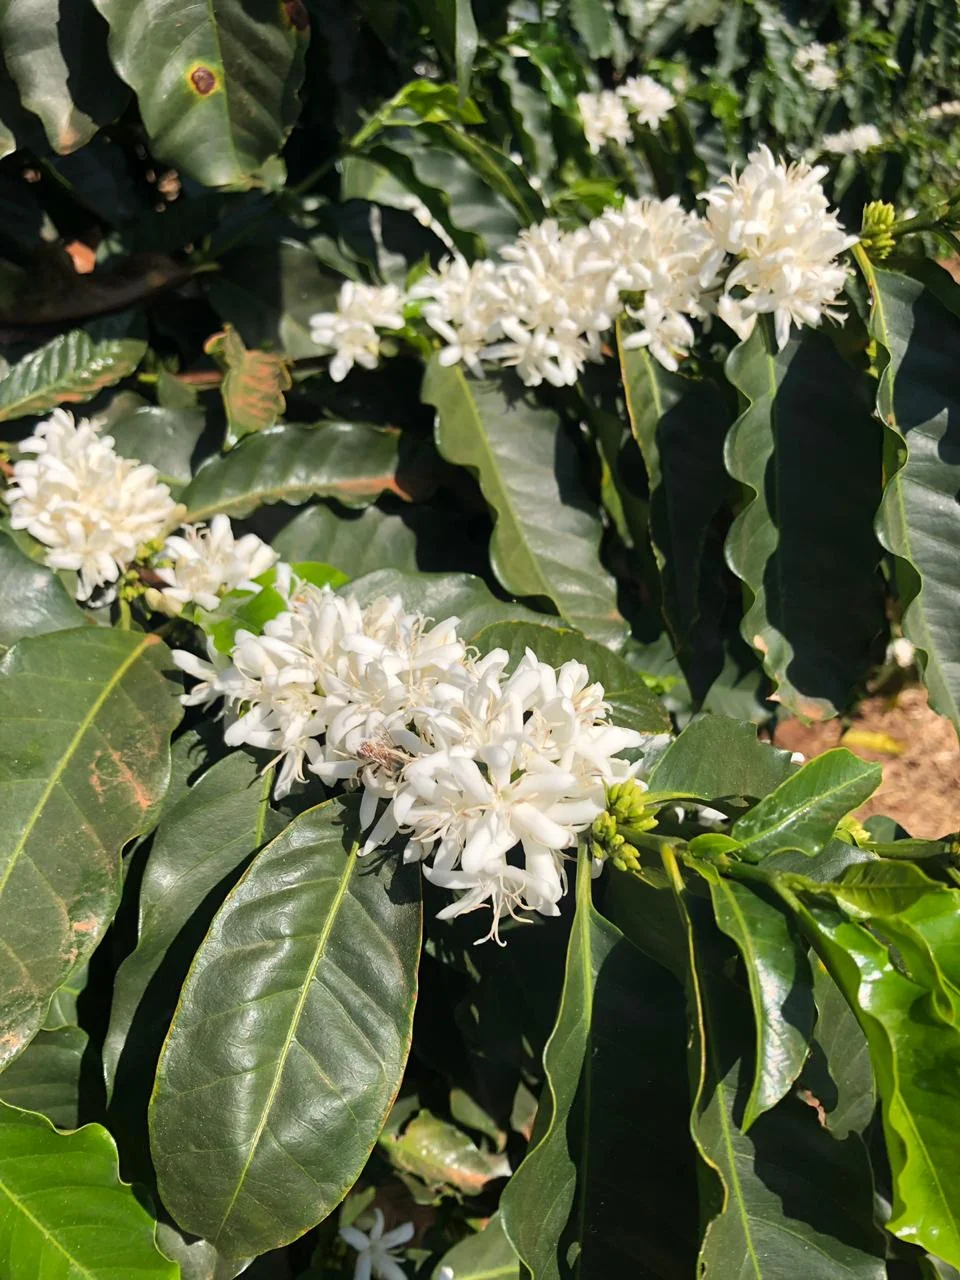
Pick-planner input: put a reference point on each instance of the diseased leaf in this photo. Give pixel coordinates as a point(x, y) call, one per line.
point(632, 705)
point(805, 562)
point(290, 1039)
point(46, 1077)
point(56, 55)
point(69, 369)
point(33, 600)
point(572, 1208)
point(919, 519)
point(349, 461)
point(217, 84)
point(84, 761)
point(63, 1209)
point(441, 1155)
point(546, 540)
point(253, 384)
point(803, 812)
point(716, 757)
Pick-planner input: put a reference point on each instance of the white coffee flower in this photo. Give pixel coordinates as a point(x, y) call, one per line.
point(92, 509)
point(650, 102)
point(943, 110)
point(201, 563)
point(462, 308)
point(850, 142)
point(377, 1249)
point(775, 219)
point(605, 119)
point(351, 330)
point(811, 62)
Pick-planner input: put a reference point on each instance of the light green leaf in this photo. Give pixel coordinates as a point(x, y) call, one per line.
point(217, 83)
point(56, 55)
point(488, 1255)
point(593, 21)
point(64, 1212)
point(443, 1156)
point(808, 453)
point(803, 812)
point(84, 761)
point(69, 369)
point(716, 757)
point(919, 519)
point(33, 600)
point(295, 1021)
point(632, 705)
point(349, 461)
point(546, 541)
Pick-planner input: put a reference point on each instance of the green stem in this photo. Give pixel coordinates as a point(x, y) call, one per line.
point(125, 615)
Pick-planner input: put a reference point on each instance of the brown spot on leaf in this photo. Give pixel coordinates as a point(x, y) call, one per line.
point(203, 80)
point(96, 782)
point(89, 925)
point(812, 1101)
point(295, 12)
point(125, 775)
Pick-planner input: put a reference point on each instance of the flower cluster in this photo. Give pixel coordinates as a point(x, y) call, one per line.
point(489, 775)
point(91, 508)
point(351, 330)
point(768, 243)
point(774, 219)
point(606, 115)
point(813, 64)
point(200, 564)
point(851, 142)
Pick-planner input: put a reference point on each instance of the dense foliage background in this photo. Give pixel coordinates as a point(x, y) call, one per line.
point(735, 1053)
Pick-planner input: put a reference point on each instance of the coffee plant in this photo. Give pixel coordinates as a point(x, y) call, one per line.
point(441, 439)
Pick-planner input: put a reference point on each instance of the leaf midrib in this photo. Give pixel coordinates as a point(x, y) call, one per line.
point(82, 729)
point(22, 1208)
point(318, 954)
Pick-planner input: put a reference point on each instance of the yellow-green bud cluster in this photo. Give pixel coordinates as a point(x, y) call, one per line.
point(875, 232)
point(625, 817)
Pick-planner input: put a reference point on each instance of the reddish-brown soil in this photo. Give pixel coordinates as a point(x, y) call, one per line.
point(921, 783)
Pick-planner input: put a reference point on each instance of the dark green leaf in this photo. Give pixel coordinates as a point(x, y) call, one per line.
point(63, 1209)
point(217, 84)
point(808, 452)
point(804, 810)
point(46, 1076)
point(85, 759)
point(345, 460)
point(632, 705)
point(70, 369)
point(593, 20)
point(781, 987)
point(546, 540)
point(919, 520)
point(488, 1255)
point(356, 542)
point(571, 1209)
point(56, 55)
point(838, 1078)
point(33, 600)
point(716, 757)
point(294, 1025)
point(165, 438)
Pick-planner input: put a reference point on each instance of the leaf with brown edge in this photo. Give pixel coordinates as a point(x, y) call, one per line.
point(85, 721)
point(70, 369)
point(441, 1155)
point(253, 384)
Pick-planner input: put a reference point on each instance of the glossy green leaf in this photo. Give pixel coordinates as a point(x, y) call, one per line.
point(56, 55)
point(546, 541)
point(803, 812)
point(349, 461)
point(838, 1078)
point(632, 704)
point(679, 424)
point(919, 520)
point(33, 600)
point(64, 1213)
point(199, 850)
point(915, 1051)
point(356, 542)
point(716, 757)
point(453, 27)
point(87, 716)
point(767, 1221)
point(217, 84)
point(488, 1255)
point(444, 595)
point(781, 987)
point(806, 563)
point(594, 24)
point(46, 1077)
point(166, 438)
point(290, 1039)
point(572, 1208)
point(69, 369)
